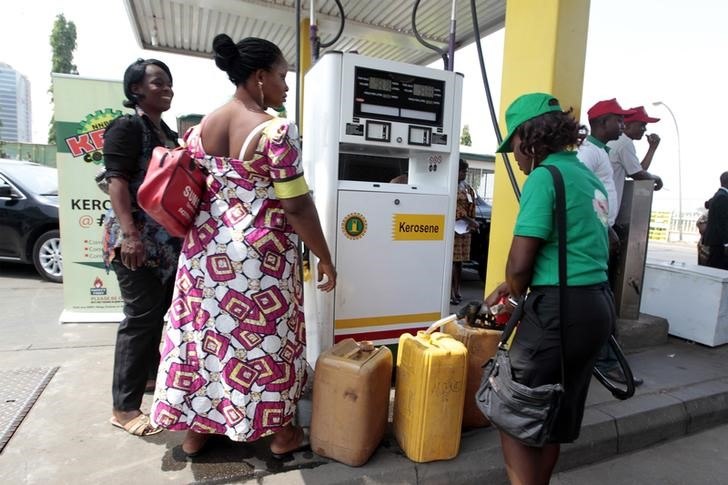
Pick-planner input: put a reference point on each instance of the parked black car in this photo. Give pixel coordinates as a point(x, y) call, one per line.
point(479, 240)
point(29, 217)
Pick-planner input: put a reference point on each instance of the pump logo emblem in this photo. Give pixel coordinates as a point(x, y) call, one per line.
point(354, 225)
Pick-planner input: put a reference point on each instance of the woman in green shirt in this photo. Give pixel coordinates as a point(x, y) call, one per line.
point(540, 133)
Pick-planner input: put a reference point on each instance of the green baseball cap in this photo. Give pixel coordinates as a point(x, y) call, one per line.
point(524, 108)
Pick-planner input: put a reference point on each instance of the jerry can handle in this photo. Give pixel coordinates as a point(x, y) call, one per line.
point(441, 322)
point(363, 346)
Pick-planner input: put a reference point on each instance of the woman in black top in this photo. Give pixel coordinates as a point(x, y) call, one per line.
point(142, 254)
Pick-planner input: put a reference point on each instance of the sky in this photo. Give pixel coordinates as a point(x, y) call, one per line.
point(639, 51)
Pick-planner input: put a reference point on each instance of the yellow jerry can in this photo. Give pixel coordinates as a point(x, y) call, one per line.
point(350, 401)
point(481, 344)
point(429, 394)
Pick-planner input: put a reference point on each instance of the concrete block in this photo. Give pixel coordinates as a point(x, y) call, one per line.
point(480, 461)
point(647, 331)
point(475, 467)
point(597, 441)
point(706, 404)
point(647, 419)
point(385, 466)
point(668, 286)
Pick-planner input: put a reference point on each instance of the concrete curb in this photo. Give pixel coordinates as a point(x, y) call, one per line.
point(609, 429)
point(613, 428)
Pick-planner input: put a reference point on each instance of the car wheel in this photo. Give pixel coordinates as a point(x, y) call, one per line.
point(47, 256)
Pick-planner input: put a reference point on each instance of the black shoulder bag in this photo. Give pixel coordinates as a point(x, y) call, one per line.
point(526, 413)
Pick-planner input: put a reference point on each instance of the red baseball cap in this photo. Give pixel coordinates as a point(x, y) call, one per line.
point(606, 107)
point(639, 114)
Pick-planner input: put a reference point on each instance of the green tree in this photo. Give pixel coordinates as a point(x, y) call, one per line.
point(465, 139)
point(63, 43)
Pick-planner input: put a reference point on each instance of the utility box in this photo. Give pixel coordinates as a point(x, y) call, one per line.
point(694, 300)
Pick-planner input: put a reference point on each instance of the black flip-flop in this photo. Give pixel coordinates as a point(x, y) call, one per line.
point(304, 446)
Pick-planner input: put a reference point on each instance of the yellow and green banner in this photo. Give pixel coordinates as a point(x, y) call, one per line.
point(83, 109)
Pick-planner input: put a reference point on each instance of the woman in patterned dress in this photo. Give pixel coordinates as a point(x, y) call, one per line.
point(465, 212)
point(233, 354)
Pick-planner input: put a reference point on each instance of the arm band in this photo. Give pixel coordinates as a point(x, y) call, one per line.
point(290, 188)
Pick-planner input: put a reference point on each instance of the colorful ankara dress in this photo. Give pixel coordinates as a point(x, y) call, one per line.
point(465, 207)
point(232, 356)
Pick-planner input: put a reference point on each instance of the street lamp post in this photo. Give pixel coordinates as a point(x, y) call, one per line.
point(679, 169)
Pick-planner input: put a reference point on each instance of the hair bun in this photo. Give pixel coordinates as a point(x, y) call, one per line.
point(226, 53)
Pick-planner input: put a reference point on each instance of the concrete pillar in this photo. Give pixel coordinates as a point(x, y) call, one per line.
point(544, 51)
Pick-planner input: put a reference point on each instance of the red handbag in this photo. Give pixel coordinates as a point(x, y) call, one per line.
point(172, 189)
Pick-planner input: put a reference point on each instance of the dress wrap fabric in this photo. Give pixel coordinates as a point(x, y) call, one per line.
point(233, 352)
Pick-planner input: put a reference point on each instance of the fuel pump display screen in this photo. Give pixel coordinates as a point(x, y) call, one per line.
point(398, 97)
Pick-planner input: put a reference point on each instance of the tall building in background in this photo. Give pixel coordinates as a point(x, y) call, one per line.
point(15, 117)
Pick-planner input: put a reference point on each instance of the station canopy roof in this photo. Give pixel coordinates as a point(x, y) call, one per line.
point(376, 28)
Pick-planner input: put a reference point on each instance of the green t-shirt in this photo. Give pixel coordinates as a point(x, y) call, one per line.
point(587, 245)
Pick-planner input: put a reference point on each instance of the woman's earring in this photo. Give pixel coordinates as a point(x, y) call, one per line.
point(262, 96)
point(532, 162)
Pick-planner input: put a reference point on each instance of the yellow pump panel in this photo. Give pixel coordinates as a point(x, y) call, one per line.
point(429, 395)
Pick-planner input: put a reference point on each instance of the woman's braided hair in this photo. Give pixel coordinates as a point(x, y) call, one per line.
point(241, 60)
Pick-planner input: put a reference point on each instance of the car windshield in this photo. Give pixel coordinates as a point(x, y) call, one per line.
point(38, 179)
point(482, 208)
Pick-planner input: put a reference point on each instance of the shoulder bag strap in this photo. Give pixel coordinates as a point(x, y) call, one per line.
point(560, 205)
point(512, 322)
point(147, 148)
point(250, 137)
point(561, 228)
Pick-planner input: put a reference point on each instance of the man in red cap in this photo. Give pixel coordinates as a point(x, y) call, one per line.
point(606, 120)
point(606, 123)
point(623, 155)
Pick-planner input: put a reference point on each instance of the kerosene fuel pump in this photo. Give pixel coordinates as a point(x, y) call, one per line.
point(366, 122)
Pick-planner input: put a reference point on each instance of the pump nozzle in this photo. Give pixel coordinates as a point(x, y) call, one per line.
point(440, 323)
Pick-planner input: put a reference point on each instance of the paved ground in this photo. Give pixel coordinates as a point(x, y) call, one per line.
point(66, 437)
point(700, 458)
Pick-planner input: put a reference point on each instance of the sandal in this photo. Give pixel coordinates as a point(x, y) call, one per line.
point(139, 426)
point(301, 437)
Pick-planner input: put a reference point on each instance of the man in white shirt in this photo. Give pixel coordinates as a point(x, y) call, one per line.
point(606, 120)
point(623, 155)
point(606, 123)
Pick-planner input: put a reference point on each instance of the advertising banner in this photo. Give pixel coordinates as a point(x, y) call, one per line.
point(83, 109)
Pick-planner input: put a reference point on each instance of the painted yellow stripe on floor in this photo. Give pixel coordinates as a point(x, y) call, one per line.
point(387, 320)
